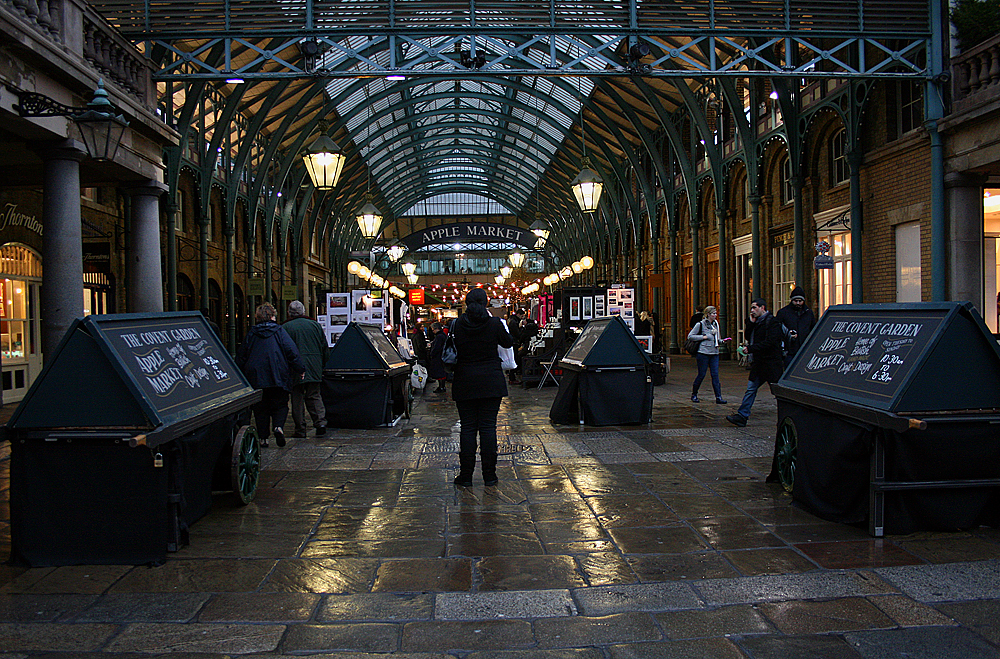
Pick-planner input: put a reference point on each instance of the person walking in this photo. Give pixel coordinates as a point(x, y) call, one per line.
point(435, 365)
point(643, 326)
point(479, 386)
point(419, 344)
point(708, 334)
point(799, 319)
point(765, 349)
point(308, 337)
point(271, 362)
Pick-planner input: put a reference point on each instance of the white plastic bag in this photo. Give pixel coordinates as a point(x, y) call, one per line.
point(507, 361)
point(418, 378)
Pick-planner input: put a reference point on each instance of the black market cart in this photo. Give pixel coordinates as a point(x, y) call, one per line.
point(890, 413)
point(605, 379)
point(366, 382)
point(121, 440)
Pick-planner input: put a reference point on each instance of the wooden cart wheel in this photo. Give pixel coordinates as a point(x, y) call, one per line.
point(787, 446)
point(245, 463)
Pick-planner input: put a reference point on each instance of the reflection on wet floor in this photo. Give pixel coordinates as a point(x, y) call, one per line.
point(636, 541)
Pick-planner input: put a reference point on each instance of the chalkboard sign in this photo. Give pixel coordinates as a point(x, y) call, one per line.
point(177, 361)
point(381, 343)
point(581, 347)
point(162, 372)
point(865, 355)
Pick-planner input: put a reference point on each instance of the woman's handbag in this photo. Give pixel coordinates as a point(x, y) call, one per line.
point(691, 346)
point(449, 355)
point(507, 361)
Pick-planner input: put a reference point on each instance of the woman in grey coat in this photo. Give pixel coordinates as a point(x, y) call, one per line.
point(707, 332)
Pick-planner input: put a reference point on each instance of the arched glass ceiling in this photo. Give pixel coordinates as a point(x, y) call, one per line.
point(400, 128)
point(457, 203)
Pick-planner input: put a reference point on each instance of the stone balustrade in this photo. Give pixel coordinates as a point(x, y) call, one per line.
point(82, 31)
point(976, 71)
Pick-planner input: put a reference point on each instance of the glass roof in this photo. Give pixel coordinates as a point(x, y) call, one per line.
point(475, 134)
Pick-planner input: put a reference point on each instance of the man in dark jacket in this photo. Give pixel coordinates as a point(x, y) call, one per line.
point(799, 319)
point(271, 362)
point(308, 337)
point(765, 347)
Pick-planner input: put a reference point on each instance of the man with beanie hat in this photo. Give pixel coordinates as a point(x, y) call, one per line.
point(798, 319)
point(307, 335)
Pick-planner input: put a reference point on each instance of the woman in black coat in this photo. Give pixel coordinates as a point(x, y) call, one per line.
point(435, 366)
point(479, 386)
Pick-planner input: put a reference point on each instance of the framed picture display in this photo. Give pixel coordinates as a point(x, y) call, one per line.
point(574, 308)
point(588, 308)
point(598, 306)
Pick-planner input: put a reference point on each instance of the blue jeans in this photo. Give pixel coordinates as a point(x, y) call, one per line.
point(706, 362)
point(749, 397)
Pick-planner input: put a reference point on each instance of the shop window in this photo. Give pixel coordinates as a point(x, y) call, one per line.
point(835, 284)
point(98, 293)
point(782, 275)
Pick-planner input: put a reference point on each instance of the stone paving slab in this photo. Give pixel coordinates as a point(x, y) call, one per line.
point(640, 597)
point(750, 590)
point(921, 643)
point(944, 583)
point(500, 605)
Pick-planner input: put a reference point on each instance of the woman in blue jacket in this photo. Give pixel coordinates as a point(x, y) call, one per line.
point(270, 360)
point(479, 385)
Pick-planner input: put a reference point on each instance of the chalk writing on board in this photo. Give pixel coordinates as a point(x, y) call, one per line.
point(176, 361)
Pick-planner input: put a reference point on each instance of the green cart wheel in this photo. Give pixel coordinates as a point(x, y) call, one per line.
point(788, 440)
point(245, 463)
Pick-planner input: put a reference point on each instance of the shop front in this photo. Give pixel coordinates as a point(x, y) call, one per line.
point(20, 347)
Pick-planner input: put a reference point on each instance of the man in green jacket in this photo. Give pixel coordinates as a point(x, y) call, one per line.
point(308, 337)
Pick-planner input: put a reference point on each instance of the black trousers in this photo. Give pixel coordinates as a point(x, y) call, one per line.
point(478, 416)
point(271, 412)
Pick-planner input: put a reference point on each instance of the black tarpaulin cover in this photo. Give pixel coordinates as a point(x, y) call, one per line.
point(604, 380)
point(863, 374)
point(356, 401)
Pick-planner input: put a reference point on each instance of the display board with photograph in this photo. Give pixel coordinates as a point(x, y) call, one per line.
point(338, 315)
point(621, 302)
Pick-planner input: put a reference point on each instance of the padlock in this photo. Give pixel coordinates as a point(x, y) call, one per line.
point(158, 460)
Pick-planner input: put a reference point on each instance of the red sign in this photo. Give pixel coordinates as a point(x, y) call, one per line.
point(416, 295)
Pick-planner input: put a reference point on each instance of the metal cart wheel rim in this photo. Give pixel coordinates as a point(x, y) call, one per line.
point(787, 453)
point(245, 465)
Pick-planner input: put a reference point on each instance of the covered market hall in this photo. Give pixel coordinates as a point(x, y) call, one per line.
point(577, 159)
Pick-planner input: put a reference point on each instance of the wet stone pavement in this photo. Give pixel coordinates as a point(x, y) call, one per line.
point(630, 542)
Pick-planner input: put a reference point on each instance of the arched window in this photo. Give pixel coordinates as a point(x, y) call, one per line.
point(185, 293)
point(787, 193)
point(215, 303)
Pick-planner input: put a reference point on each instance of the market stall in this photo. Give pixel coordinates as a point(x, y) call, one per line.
point(365, 380)
point(604, 378)
point(118, 445)
point(890, 413)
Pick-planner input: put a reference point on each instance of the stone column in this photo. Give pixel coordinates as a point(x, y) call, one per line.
point(145, 278)
point(964, 199)
point(62, 242)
